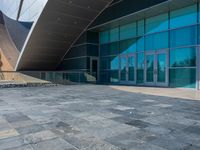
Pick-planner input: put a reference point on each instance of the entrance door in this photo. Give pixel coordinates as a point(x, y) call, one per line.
point(156, 72)
point(127, 68)
point(94, 66)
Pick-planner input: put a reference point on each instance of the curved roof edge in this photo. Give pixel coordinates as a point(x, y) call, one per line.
point(59, 26)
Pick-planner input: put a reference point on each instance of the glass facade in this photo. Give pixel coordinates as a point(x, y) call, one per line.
point(160, 50)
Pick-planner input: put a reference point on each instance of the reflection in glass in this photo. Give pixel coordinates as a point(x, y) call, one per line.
point(140, 30)
point(183, 17)
point(161, 66)
point(110, 63)
point(128, 31)
point(123, 68)
point(157, 23)
point(104, 37)
point(183, 36)
point(183, 77)
point(114, 34)
point(114, 76)
point(150, 68)
point(128, 46)
point(183, 57)
point(140, 68)
point(140, 44)
point(131, 68)
point(157, 41)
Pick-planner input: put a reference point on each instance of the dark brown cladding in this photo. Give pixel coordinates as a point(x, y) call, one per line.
point(60, 18)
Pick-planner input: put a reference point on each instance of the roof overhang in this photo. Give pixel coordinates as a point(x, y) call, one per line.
point(60, 24)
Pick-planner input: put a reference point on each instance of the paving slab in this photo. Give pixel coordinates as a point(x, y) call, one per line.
point(97, 117)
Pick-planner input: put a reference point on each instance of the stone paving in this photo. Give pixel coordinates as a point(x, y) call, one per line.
point(90, 117)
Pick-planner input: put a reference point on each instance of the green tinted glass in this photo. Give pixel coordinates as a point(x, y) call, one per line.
point(131, 68)
point(140, 68)
point(183, 77)
point(128, 46)
point(161, 66)
point(114, 34)
point(183, 37)
point(157, 23)
point(150, 68)
point(157, 41)
point(183, 57)
point(183, 17)
point(123, 68)
point(128, 31)
point(114, 76)
point(104, 37)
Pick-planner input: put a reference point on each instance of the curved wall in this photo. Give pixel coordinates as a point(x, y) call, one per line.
point(18, 31)
point(9, 52)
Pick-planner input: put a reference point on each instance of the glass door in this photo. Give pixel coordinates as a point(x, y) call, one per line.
point(127, 68)
point(94, 67)
point(156, 72)
point(161, 68)
point(123, 68)
point(150, 68)
point(131, 68)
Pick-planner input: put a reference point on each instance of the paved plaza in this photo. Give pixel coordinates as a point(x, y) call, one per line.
point(96, 117)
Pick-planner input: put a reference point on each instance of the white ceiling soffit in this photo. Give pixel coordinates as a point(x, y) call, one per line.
point(58, 27)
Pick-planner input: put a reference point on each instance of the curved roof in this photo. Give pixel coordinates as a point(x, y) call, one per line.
point(58, 27)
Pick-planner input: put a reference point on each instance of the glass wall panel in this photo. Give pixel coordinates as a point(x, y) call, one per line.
point(110, 63)
point(183, 57)
point(128, 46)
point(114, 48)
point(140, 68)
point(123, 64)
point(140, 44)
point(114, 76)
point(161, 67)
point(104, 49)
point(150, 68)
point(156, 41)
point(140, 28)
point(136, 37)
point(157, 23)
point(114, 34)
point(183, 36)
point(104, 37)
point(128, 31)
point(105, 63)
point(183, 77)
point(109, 49)
point(183, 17)
point(104, 78)
point(131, 68)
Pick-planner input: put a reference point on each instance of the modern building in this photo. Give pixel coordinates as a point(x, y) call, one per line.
point(131, 42)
